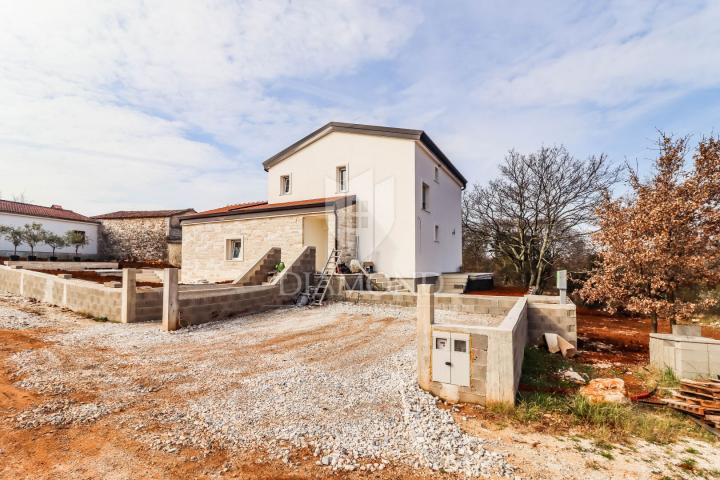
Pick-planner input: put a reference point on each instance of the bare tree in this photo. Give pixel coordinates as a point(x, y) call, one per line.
point(541, 203)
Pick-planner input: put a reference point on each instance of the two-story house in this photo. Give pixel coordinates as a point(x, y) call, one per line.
point(380, 194)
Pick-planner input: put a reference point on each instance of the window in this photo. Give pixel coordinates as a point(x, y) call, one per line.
point(436, 233)
point(80, 234)
point(235, 250)
point(460, 346)
point(341, 177)
point(285, 186)
point(425, 196)
point(436, 175)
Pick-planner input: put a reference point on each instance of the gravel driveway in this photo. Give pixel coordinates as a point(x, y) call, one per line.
point(335, 382)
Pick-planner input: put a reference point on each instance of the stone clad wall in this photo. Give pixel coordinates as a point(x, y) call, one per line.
point(138, 239)
point(204, 245)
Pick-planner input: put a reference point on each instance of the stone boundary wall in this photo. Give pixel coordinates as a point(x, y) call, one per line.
point(69, 266)
point(78, 295)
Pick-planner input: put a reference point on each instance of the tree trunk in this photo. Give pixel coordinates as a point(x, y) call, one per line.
point(654, 323)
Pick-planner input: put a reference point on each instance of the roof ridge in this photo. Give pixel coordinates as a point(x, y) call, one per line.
point(41, 206)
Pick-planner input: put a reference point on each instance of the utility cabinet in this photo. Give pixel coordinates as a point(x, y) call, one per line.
point(451, 358)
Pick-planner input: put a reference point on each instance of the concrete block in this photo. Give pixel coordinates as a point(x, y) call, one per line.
point(64, 276)
point(113, 284)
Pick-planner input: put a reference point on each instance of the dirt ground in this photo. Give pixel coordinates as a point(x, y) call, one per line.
point(82, 399)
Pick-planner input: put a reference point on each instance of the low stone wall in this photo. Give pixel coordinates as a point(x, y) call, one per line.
point(688, 357)
point(77, 295)
point(69, 266)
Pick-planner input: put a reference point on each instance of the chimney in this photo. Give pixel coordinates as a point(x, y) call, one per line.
point(57, 207)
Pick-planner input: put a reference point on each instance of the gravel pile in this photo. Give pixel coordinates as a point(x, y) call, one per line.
point(13, 319)
point(60, 413)
point(338, 381)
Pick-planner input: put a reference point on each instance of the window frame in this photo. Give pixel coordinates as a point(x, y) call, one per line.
point(425, 197)
point(436, 174)
point(289, 181)
point(338, 178)
point(229, 249)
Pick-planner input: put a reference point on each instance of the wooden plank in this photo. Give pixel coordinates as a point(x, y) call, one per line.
point(700, 390)
point(686, 407)
point(710, 386)
point(691, 393)
point(697, 400)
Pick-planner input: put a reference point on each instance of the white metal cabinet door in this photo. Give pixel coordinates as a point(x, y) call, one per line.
point(441, 357)
point(460, 358)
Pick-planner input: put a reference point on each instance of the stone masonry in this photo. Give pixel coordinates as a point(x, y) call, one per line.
point(137, 239)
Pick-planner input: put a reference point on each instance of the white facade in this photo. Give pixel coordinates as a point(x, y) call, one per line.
point(386, 175)
point(54, 225)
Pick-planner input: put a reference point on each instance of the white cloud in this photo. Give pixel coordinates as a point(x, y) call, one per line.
point(119, 104)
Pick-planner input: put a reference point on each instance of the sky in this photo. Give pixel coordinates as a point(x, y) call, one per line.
point(136, 104)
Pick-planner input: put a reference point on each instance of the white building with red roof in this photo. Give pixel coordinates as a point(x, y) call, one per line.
point(54, 219)
point(384, 195)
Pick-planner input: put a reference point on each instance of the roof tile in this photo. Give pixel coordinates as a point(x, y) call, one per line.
point(30, 210)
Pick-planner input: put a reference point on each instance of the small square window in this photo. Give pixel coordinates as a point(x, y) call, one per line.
point(436, 233)
point(436, 175)
point(285, 186)
point(440, 343)
point(79, 234)
point(460, 346)
point(235, 249)
point(342, 179)
point(425, 196)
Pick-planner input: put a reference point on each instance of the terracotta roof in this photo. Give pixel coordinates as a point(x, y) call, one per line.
point(142, 214)
point(417, 135)
point(56, 211)
point(255, 207)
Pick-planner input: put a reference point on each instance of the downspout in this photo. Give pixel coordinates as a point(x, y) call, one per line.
point(336, 225)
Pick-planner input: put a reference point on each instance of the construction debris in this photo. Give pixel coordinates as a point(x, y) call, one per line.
point(700, 398)
point(605, 390)
point(556, 343)
point(572, 376)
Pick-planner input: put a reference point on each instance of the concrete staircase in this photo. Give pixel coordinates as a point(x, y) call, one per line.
point(379, 282)
point(262, 272)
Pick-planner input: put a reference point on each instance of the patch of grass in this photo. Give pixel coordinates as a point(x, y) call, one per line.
point(692, 451)
point(557, 410)
point(101, 319)
point(668, 379)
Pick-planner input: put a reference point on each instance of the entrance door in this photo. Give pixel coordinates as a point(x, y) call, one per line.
point(315, 234)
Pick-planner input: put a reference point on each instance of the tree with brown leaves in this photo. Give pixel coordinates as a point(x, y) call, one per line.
point(659, 247)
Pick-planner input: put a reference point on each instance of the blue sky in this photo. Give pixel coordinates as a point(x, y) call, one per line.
point(145, 105)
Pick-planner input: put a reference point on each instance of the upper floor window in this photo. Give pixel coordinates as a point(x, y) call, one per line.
point(285, 186)
point(436, 175)
point(342, 178)
point(425, 196)
point(436, 233)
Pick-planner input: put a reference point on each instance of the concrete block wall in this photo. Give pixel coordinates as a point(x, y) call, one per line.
point(496, 353)
point(688, 357)
point(197, 306)
point(77, 295)
point(148, 305)
point(546, 315)
point(444, 301)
